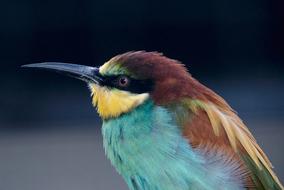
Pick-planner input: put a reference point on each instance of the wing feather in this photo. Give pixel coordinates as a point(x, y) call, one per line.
point(228, 130)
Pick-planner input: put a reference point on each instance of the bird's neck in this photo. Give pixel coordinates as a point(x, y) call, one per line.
point(148, 150)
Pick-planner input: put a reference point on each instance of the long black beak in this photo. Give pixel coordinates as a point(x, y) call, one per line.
point(82, 72)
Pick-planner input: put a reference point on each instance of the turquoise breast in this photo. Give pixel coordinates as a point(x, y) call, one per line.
point(148, 150)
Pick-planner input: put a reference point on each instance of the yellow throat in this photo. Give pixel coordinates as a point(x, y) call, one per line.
point(113, 102)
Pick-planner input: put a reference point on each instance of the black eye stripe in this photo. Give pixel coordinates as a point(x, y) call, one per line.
point(134, 86)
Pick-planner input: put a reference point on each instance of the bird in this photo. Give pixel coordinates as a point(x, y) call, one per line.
point(164, 130)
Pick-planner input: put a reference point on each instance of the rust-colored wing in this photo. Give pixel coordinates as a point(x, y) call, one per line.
point(214, 125)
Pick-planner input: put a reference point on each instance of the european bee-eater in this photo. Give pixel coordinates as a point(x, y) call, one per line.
point(163, 130)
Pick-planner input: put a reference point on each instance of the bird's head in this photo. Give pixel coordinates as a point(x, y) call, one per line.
point(127, 80)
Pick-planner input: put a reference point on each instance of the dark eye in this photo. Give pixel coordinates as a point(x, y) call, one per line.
point(123, 81)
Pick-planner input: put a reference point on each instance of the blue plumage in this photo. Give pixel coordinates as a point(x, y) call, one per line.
point(148, 150)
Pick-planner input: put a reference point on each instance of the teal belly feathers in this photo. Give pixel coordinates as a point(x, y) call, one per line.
point(148, 150)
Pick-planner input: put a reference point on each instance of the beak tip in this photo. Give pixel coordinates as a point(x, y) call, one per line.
point(30, 65)
point(24, 66)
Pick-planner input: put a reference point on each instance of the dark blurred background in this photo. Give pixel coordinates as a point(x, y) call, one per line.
point(49, 132)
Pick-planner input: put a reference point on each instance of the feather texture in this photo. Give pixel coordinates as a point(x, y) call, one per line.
point(113, 103)
point(235, 135)
point(149, 151)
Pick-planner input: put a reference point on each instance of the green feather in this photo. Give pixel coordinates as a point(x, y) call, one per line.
point(261, 177)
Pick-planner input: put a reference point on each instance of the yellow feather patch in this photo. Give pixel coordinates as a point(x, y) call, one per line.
point(236, 131)
point(111, 67)
point(104, 67)
point(114, 102)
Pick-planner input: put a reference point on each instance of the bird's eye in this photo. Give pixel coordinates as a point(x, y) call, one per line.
point(123, 81)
